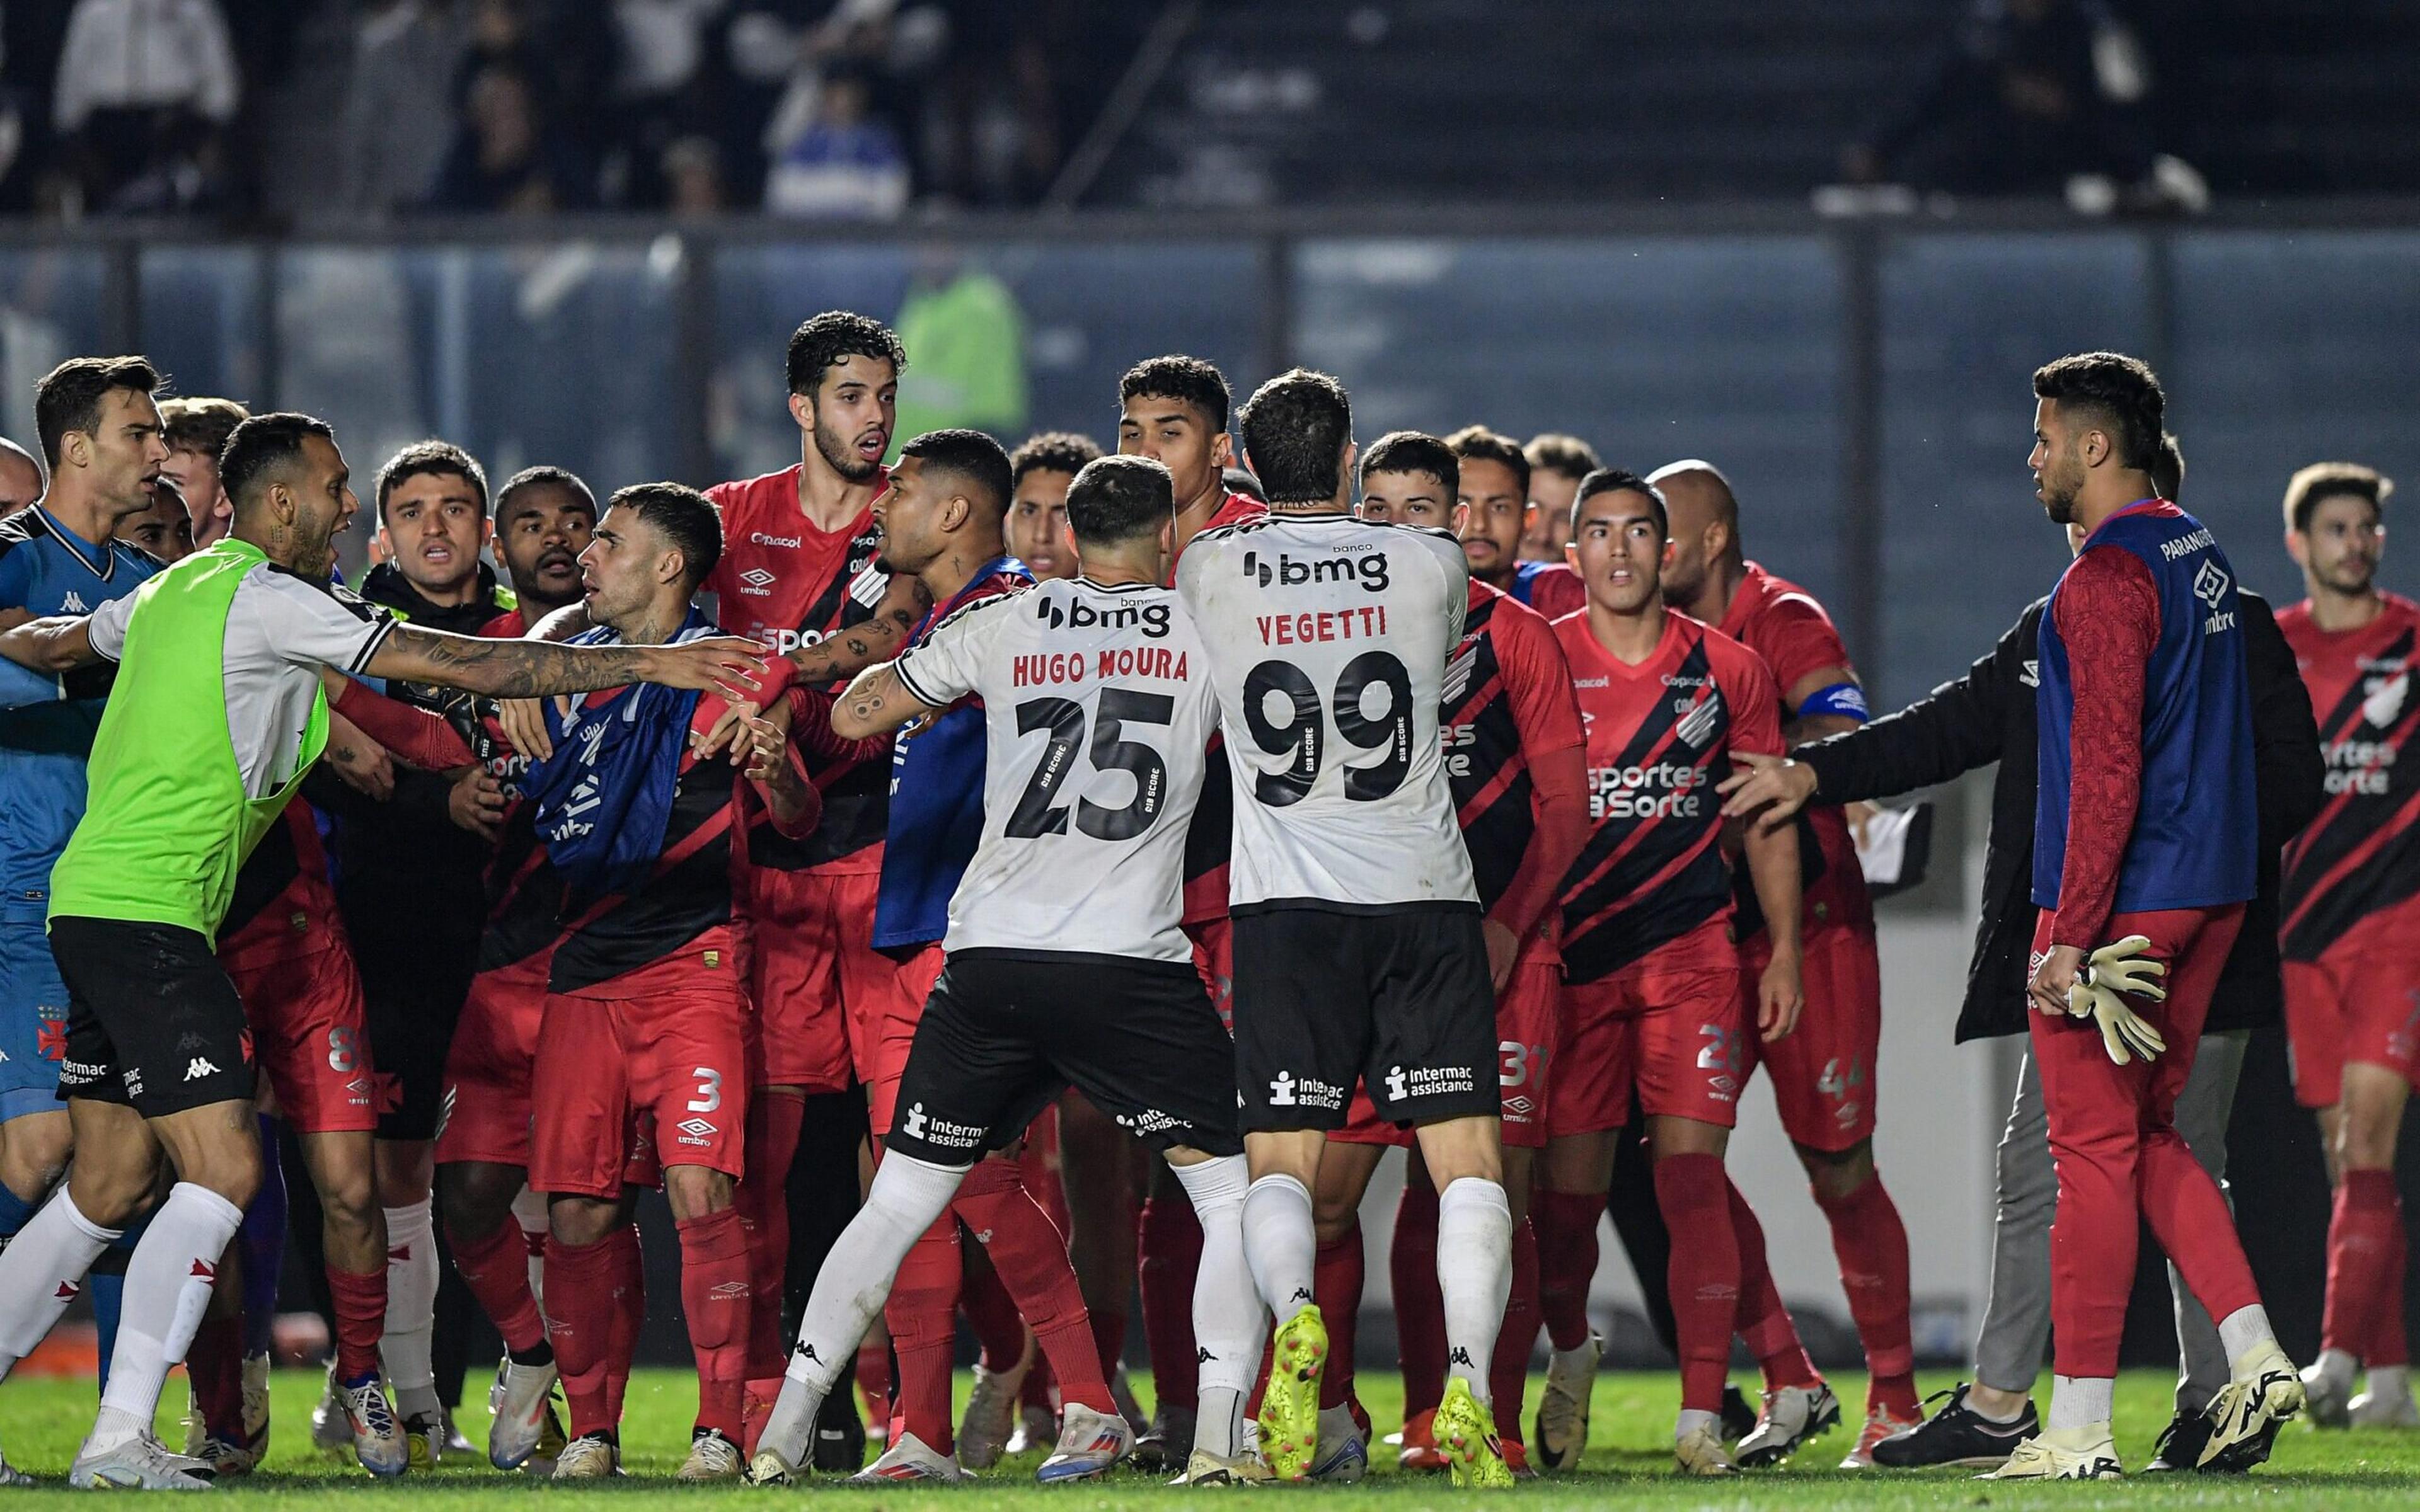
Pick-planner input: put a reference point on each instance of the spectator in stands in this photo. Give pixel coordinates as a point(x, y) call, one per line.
point(21, 478)
point(568, 57)
point(847, 163)
point(692, 173)
point(507, 158)
point(2033, 93)
point(145, 91)
point(398, 117)
point(670, 88)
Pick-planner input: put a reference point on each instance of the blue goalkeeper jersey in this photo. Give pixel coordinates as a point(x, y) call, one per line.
point(47, 724)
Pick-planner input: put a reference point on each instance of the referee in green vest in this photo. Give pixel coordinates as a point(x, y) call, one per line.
point(217, 711)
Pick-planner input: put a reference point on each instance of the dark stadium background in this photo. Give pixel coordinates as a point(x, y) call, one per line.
point(1801, 239)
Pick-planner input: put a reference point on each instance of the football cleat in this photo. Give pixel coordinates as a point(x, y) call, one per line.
point(1879, 1425)
point(1516, 1460)
point(1037, 1430)
point(2179, 1445)
point(1203, 1468)
point(1739, 1418)
point(2327, 1390)
point(2383, 1409)
point(255, 1406)
point(1343, 1454)
point(990, 1420)
point(589, 1456)
point(423, 1439)
point(521, 1400)
point(770, 1469)
point(141, 1463)
point(227, 1461)
point(330, 1433)
point(1792, 1416)
point(1164, 1445)
point(1466, 1435)
point(2243, 1416)
point(1561, 1428)
point(1701, 1451)
point(910, 1459)
point(1090, 1444)
point(2088, 1453)
point(1418, 1441)
point(377, 1439)
point(711, 1457)
point(1956, 1435)
point(1289, 1416)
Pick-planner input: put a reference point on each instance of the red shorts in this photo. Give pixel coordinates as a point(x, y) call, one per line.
point(1667, 1026)
point(1214, 957)
point(912, 982)
point(672, 1064)
point(1527, 1042)
point(1823, 1073)
point(2359, 1000)
point(819, 986)
point(306, 1016)
point(489, 1070)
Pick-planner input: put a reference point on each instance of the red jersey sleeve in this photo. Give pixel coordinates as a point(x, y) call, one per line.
point(1557, 591)
point(1748, 692)
point(1797, 638)
point(729, 500)
point(1546, 710)
point(2109, 620)
point(1539, 678)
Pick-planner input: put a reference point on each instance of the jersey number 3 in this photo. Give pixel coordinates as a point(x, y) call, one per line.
point(1301, 736)
point(1036, 815)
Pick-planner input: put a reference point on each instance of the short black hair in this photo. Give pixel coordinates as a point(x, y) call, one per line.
point(1621, 480)
point(545, 475)
point(2118, 394)
point(1188, 379)
point(69, 396)
point(1117, 499)
point(262, 447)
point(969, 453)
point(1554, 452)
point(2168, 475)
point(1050, 451)
point(430, 459)
point(201, 424)
point(1240, 480)
point(1479, 443)
point(1295, 428)
point(684, 517)
point(1413, 451)
point(2321, 481)
point(823, 340)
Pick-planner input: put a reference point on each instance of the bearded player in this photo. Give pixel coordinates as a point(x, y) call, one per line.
point(1495, 494)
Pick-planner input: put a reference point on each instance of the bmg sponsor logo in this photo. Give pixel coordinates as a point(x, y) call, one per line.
point(1368, 571)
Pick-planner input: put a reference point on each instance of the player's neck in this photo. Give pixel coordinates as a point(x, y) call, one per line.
point(827, 500)
point(1722, 585)
point(536, 607)
point(2093, 506)
point(1109, 567)
point(448, 595)
point(1312, 508)
point(2334, 611)
point(947, 574)
point(90, 516)
point(654, 625)
point(1629, 638)
point(1503, 578)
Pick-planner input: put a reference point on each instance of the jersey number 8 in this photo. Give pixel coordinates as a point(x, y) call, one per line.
point(1036, 816)
point(1301, 738)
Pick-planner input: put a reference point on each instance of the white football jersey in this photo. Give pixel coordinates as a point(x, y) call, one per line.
point(1097, 713)
point(1329, 636)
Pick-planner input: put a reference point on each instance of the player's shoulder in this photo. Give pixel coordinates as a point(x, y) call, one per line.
point(1781, 602)
point(269, 587)
point(1726, 653)
point(21, 529)
point(741, 494)
point(991, 598)
point(2402, 611)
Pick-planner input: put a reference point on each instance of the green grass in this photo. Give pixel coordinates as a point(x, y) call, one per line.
point(1629, 1460)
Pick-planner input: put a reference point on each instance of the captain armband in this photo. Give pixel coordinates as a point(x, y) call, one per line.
point(1845, 700)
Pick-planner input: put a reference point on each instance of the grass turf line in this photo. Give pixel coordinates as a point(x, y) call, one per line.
point(1629, 1457)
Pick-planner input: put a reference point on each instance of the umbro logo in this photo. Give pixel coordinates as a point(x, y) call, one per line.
point(730, 1291)
point(200, 1066)
point(695, 1127)
point(757, 578)
point(2212, 583)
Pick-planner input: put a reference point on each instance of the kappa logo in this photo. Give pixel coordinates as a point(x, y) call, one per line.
point(189, 1042)
point(1459, 1357)
point(805, 1351)
point(1203, 1356)
point(73, 604)
point(199, 1067)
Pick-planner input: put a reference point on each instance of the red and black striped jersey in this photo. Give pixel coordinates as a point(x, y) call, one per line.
point(1660, 736)
point(1210, 839)
point(2355, 868)
point(284, 905)
point(783, 581)
point(1508, 697)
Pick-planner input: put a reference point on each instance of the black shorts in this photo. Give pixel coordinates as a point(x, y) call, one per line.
point(1006, 1031)
point(1399, 1001)
point(153, 1020)
point(410, 1018)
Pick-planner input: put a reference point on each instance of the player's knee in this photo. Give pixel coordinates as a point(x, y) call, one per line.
point(695, 1191)
point(1836, 1174)
point(478, 1197)
point(579, 1222)
point(33, 1152)
point(1333, 1217)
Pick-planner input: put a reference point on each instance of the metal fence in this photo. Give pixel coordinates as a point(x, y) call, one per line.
point(1865, 383)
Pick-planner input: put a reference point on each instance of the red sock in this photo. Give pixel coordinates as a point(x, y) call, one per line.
point(496, 1269)
point(630, 1280)
point(874, 1382)
point(1870, 1243)
point(1763, 1323)
point(1420, 1307)
point(2360, 1249)
point(1693, 1194)
point(1508, 1371)
point(1031, 1255)
point(715, 1302)
point(1167, 1255)
point(764, 1207)
point(2387, 1345)
point(923, 1315)
point(2189, 1216)
point(215, 1362)
point(1565, 1224)
point(359, 1302)
point(1336, 1287)
point(989, 1311)
point(580, 1306)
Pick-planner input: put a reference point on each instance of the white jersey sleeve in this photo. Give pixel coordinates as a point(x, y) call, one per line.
point(1098, 711)
point(281, 630)
point(105, 629)
point(945, 665)
point(1328, 637)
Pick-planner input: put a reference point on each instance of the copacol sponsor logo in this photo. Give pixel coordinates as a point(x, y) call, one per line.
point(1368, 571)
point(1075, 614)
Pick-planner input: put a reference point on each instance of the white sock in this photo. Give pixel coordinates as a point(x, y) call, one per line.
point(2245, 1330)
point(2390, 1380)
point(168, 1282)
point(905, 1198)
point(529, 1211)
point(41, 1271)
point(1474, 1261)
point(2335, 1365)
point(1280, 1243)
point(411, 1309)
point(1691, 1420)
point(1229, 1325)
point(2081, 1401)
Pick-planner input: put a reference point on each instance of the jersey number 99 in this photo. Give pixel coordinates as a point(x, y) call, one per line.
point(1300, 737)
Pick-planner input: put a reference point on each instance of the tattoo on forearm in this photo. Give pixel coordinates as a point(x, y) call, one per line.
point(522, 669)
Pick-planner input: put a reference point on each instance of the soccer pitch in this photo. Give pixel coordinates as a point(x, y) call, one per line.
point(1629, 1456)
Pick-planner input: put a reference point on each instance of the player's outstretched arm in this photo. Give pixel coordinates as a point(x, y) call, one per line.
point(59, 643)
point(533, 669)
point(876, 704)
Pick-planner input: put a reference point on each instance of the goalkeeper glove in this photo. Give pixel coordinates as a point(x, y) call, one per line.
point(2108, 973)
point(2126, 967)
